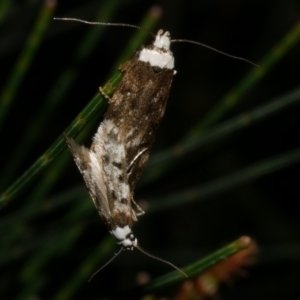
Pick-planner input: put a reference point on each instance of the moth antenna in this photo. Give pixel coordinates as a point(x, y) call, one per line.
point(116, 254)
point(160, 259)
point(215, 50)
point(106, 24)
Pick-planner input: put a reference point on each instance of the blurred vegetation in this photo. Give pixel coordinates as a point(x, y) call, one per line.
point(225, 162)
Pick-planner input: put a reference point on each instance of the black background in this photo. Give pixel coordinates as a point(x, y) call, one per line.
point(265, 209)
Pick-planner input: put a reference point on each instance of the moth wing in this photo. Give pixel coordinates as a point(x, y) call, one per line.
point(90, 167)
point(137, 107)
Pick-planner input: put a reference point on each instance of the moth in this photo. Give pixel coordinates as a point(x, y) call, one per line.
point(121, 146)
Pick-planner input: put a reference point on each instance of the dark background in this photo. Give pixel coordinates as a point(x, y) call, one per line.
point(265, 208)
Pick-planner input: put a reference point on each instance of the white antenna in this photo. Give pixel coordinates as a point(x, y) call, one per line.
point(160, 259)
point(116, 254)
point(106, 24)
point(215, 50)
point(153, 35)
point(143, 251)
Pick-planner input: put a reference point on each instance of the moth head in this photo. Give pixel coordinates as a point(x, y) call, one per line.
point(126, 237)
point(130, 242)
point(162, 40)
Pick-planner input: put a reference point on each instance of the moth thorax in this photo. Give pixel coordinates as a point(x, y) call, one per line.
point(126, 237)
point(159, 54)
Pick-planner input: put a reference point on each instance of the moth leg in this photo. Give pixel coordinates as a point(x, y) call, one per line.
point(133, 161)
point(134, 216)
point(103, 93)
point(123, 67)
point(140, 211)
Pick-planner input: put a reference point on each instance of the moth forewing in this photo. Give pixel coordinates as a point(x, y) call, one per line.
point(83, 158)
point(139, 102)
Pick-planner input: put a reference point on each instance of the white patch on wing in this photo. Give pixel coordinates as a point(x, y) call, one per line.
point(108, 124)
point(112, 146)
point(98, 173)
point(124, 187)
point(129, 133)
point(134, 142)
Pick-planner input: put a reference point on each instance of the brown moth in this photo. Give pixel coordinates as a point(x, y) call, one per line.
point(113, 165)
point(120, 149)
